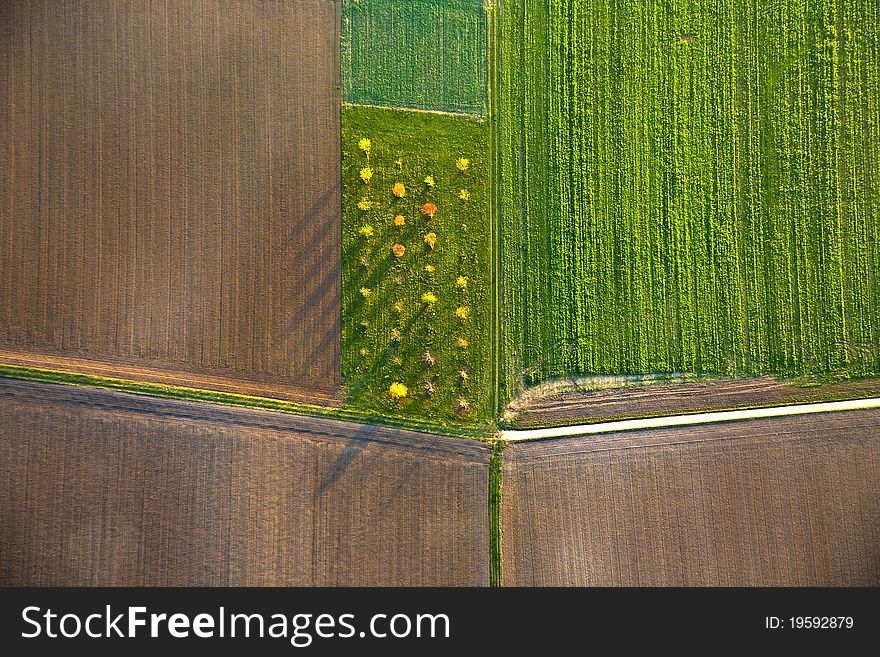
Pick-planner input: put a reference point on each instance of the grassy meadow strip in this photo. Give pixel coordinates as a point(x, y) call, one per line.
point(416, 275)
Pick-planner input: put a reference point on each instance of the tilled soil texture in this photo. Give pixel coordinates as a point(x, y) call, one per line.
point(784, 501)
point(659, 399)
point(170, 189)
point(105, 488)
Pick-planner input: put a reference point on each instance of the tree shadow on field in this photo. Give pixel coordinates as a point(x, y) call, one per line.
point(360, 384)
point(360, 440)
point(371, 281)
point(318, 294)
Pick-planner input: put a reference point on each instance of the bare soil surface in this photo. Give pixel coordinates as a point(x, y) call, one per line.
point(170, 189)
point(657, 399)
point(110, 489)
point(783, 501)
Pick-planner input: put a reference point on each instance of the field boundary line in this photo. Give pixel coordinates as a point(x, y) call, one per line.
point(494, 208)
point(495, 509)
point(163, 391)
point(690, 419)
point(458, 115)
point(496, 464)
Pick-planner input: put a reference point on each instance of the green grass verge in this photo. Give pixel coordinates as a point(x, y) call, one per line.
point(427, 54)
point(689, 188)
point(495, 534)
point(231, 399)
point(438, 350)
point(496, 398)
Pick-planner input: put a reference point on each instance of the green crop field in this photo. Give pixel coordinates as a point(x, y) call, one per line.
point(426, 54)
point(415, 295)
point(688, 186)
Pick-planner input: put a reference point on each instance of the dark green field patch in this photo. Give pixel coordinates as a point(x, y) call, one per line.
point(426, 54)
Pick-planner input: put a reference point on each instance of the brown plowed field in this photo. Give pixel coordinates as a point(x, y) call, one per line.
point(783, 501)
point(677, 398)
point(105, 488)
point(170, 189)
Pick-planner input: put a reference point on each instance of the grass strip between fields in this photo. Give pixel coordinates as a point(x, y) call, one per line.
point(495, 530)
point(494, 210)
point(233, 399)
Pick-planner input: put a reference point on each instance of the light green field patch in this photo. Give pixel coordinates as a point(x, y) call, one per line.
point(689, 187)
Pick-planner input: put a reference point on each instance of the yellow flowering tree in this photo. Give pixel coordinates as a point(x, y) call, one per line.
point(397, 391)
